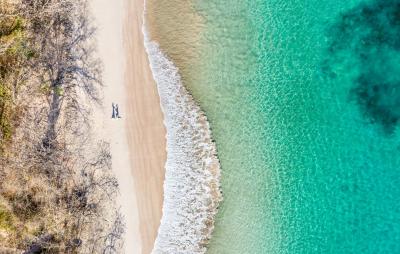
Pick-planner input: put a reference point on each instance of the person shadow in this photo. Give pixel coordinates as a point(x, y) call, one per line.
point(117, 111)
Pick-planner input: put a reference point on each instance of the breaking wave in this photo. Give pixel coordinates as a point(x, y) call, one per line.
point(192, 179)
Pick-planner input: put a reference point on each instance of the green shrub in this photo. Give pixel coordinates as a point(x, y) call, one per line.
point(6, 219)
point(12, 34)
point(5, 116)
point(9, 26)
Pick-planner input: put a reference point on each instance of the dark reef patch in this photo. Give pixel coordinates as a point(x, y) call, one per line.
point(365, 44)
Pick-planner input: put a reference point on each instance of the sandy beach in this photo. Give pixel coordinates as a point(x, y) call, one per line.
point(138, 138)
point(146, 131)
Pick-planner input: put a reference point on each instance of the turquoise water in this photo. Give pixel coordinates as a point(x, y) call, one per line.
point(303, 97)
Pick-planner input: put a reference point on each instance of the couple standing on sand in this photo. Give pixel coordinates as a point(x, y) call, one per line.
point(115, 111)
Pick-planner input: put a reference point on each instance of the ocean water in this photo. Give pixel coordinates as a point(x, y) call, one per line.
point(303, 100)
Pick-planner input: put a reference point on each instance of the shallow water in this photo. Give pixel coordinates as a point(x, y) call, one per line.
point(303, 99)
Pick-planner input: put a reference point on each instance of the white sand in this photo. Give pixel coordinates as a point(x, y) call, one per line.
point(137, 140)
point(109, 21)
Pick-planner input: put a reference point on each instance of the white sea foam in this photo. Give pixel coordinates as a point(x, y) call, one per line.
point(191, 187)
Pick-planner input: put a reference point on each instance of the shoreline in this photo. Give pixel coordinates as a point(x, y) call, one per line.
point(192, 177)
point(156, 116)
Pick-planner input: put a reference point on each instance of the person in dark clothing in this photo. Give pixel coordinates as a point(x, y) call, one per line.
point(113, 111)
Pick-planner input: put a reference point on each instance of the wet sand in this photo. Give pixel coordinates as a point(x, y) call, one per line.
point(146, 131)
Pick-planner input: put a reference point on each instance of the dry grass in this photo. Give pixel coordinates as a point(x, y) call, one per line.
point(57, 191)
